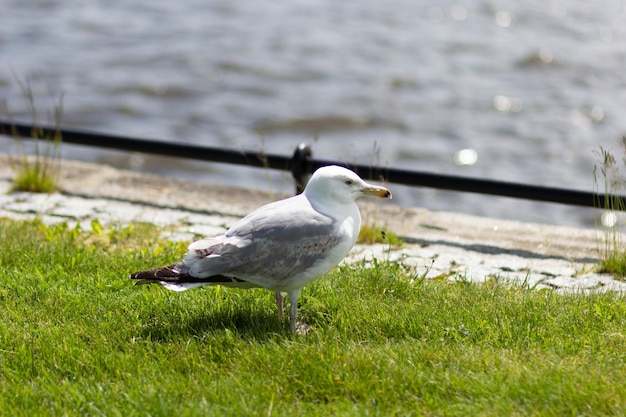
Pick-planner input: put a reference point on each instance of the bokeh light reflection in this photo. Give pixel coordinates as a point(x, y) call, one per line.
point(465, 157)
point(608, 219)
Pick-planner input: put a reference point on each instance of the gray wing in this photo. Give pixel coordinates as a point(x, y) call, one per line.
point(270, 245)
point(284, 220)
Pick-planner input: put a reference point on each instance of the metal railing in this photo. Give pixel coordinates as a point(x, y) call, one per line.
point(301, 163)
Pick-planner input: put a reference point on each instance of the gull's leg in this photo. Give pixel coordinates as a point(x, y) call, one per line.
point(279, 303)
point(296, 328)
point(293, 309)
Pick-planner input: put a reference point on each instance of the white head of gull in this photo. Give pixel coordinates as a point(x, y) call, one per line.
point(281, 246)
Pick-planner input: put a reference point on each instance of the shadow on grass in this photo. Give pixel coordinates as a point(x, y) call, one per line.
point(245, 324)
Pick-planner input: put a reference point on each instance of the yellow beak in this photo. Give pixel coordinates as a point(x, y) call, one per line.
point(376, 191)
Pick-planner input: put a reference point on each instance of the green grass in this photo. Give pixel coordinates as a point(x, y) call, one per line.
point(77, 338)
point(371, 233)
point(34, 174)
point(613, 263)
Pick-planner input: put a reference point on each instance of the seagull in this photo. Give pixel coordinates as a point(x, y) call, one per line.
point(281, 246)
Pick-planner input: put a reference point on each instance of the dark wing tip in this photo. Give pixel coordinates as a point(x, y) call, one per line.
point(171, 273)
point(165, 273)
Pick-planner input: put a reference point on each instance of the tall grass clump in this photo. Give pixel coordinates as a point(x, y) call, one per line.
point(609, 182)
point(37, 166)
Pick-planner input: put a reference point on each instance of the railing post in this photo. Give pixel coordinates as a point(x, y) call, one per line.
point(300, 165)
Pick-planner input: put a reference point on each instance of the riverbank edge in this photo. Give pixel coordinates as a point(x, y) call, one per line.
point(437, 243)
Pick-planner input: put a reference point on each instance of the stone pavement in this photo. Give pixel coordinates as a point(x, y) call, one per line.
point(438, 244)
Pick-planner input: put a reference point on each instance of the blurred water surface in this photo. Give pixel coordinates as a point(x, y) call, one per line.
point(518, 91)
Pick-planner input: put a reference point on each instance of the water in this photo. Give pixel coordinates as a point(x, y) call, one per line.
point(528, 91)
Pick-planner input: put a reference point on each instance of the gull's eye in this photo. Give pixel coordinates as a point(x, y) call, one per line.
point(349, 182)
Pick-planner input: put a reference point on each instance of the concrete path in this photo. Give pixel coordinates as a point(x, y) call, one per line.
point(438, 244)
